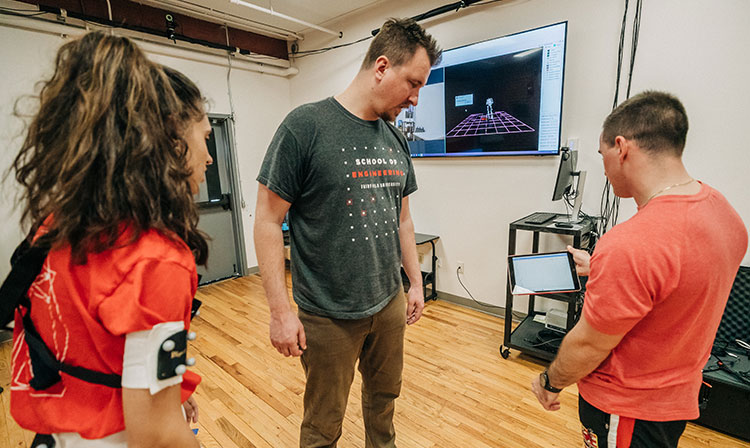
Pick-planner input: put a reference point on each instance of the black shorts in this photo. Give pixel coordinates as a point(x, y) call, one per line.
point(602, 430)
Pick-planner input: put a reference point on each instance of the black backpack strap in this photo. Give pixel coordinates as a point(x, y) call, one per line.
point(47, 368)
point(27, 261)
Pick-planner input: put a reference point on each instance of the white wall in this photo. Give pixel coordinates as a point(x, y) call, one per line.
point(691, 48)
point(260, 100)
point(688, 47)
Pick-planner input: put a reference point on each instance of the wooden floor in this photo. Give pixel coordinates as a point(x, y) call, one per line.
point(457, 390)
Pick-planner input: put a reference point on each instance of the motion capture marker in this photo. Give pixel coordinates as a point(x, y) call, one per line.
point(348, 189)
point(191, 336)
point(385, 222)
point(350, 214)
point(365, 147)
point(347, 175)
point(351, 227)
point(386, 233)
point(355, 148)
point(352, 240)
point(367, 238)
point(376, 223)
point(376, 235)
point(365, 225)
point(342, 149)
point(191, 362)
point(181, 369)
point(168, 345)
point(345, 162)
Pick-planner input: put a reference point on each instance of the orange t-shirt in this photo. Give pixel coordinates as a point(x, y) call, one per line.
point(663, 278)
point(83, 313)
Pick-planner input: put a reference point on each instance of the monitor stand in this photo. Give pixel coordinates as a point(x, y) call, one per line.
point(577, 193)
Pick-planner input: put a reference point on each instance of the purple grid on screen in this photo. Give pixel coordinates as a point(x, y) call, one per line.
point(501, 123)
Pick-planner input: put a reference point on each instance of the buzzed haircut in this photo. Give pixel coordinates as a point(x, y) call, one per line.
point(398, 40)
point(657, 121)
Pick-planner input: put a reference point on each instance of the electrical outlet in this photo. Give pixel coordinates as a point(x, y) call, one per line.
point(460, 267)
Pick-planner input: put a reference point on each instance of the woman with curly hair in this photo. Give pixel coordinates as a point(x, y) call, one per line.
point(108, 170)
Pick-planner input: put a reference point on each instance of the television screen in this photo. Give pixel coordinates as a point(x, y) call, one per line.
point(498, 97)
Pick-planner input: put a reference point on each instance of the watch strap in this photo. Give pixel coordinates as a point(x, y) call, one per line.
point(546, 385)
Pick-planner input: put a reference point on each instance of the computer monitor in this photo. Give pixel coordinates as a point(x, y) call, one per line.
point(569, 183)
point(499, 97)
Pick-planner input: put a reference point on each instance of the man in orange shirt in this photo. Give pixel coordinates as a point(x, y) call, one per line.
point(658, 286)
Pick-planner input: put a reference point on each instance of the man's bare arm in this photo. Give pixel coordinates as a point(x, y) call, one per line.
point(410, 260)
point(286, 331)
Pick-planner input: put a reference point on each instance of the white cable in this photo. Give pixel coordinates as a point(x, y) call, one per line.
point(231, 104)
point(109, 13)
point(229, 71)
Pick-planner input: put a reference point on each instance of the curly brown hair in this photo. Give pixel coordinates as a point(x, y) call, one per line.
point(105, 155)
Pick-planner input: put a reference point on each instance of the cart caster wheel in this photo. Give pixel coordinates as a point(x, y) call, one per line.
point(504, 353)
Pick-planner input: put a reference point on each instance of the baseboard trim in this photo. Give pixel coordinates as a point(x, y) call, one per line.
point(448, 297)
point(496, 311)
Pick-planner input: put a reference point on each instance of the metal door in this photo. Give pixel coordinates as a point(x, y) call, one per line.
point(219, 205)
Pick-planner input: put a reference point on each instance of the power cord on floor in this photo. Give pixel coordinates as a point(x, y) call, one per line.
point(516, 315)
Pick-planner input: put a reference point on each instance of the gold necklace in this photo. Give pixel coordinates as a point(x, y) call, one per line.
point(668, 188)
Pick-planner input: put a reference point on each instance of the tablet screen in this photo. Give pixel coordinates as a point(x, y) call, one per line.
point(542, 273)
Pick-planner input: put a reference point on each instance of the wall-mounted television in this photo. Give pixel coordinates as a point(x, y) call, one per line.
point(499, 97)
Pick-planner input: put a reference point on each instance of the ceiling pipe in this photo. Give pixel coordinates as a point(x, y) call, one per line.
point(182, 51)
point(214, 15)
point(338, 34)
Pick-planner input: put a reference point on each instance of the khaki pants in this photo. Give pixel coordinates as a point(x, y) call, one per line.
point(333, 347)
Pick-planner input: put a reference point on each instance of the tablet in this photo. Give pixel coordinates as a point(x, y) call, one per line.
point(546, 273)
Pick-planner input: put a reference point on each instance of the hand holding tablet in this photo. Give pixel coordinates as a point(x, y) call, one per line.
point(545, 273)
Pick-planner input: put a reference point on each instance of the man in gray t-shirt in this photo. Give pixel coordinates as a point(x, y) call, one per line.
point(343, 174)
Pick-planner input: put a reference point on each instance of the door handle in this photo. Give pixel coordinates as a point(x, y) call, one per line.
point(225, 202)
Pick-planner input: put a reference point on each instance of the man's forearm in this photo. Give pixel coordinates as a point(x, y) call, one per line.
point(269, 247)
point(409, 257)
point(576, 358)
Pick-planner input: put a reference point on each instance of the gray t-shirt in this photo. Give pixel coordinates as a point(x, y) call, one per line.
point(345, 178)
